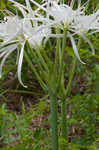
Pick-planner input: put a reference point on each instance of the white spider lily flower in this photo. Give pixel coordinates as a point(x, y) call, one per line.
point(86, 24)
point(10, 29)
point(31, 15)
point(25, 10)
point(61, 13)
point(35, 34)
point(28, 13)
point(75, 21)
point(63, 16)
point(14, 33)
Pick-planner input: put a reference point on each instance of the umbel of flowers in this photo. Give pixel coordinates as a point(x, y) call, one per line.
point(29, 34)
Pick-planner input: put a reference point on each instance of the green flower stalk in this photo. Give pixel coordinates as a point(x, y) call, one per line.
point(54, 120)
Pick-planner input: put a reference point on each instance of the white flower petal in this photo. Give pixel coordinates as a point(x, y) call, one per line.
point(21, 7)
point(75, 48)
point(17, 4)
point(72, 3)
point(55, 35)
point(79, 3)
point(38, 5)
point(89, 42)
point(5, 57)
point(5, 50)
point(20, 64)
point(9, 42)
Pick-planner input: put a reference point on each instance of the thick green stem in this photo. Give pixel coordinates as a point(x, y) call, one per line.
point(54, 121)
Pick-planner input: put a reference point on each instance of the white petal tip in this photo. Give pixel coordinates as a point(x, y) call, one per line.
point(25, 86)
point(82, 62)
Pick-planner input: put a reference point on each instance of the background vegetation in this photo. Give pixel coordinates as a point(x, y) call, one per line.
point(24, 113)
